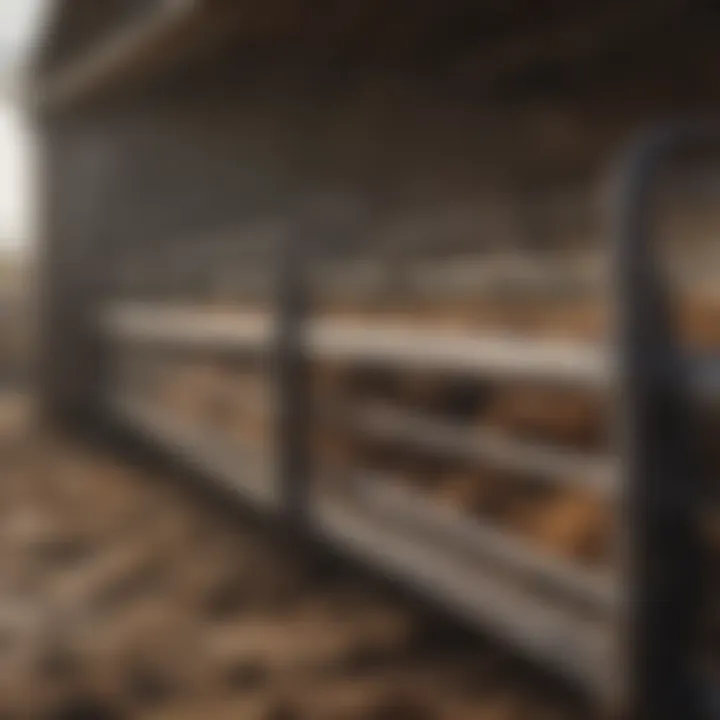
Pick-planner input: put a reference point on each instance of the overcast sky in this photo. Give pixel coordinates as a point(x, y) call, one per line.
point(18, 20)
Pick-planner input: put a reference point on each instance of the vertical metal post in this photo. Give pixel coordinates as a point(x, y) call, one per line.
point(293, 394)
point(80, 178)
point(659, 460)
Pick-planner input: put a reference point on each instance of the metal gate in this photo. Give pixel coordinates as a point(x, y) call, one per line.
point(628, 634)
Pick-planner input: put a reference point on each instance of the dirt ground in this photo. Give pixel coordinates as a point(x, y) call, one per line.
point(126, 596)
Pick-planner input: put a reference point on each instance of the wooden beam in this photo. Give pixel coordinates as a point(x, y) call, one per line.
point(130, 51)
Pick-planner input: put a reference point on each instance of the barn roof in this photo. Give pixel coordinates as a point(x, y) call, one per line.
point(96, 47)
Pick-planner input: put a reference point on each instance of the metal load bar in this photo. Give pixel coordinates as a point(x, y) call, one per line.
point(466, 566)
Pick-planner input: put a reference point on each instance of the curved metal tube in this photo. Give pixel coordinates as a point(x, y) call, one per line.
point(660, 473)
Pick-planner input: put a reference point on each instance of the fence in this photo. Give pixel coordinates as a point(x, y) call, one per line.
point(626, 632)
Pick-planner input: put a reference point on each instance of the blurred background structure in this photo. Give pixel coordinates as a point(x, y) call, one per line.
point(19, 23)
point(373, 272)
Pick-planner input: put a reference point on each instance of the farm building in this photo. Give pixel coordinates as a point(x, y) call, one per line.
point(367, 242)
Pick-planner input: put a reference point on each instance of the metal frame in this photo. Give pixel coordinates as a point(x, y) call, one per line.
point(449, 563)
point(564, 362)
point(660, 461)
point(659, 467)
point(293, 407)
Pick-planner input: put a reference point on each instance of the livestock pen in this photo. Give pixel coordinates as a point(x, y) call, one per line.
point(396, 275)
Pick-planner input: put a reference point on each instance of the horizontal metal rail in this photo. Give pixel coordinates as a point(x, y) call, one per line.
point(576, 648)
point(391, 344)
point(388, 344)
point(490, 585)
point(476, 276)
point(405, 508)
point(485, 447)
point(173, 324)
point(441, 275)
point(235, 468)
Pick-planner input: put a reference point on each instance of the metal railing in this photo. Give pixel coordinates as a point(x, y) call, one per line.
point(661, 468)
point(561, 614)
